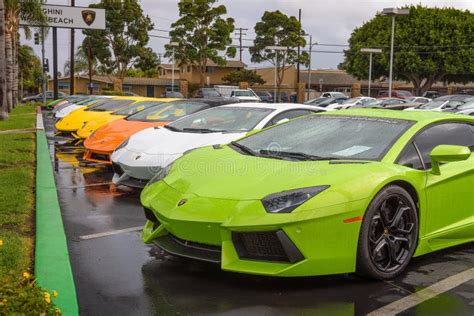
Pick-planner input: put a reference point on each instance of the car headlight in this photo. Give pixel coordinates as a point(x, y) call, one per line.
point(122, 145)
point(287, 201)
point(160, 175)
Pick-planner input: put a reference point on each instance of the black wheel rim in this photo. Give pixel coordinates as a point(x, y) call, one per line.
point(392, 233)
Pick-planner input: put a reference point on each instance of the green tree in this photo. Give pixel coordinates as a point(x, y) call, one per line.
point(244, 75)
point(278, 29)
point(136, 72)
point(431, 44)
point(122, 44)
point(201, 33)
point(30, 70)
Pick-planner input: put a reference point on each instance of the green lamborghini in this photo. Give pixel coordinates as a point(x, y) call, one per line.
point(358, 190)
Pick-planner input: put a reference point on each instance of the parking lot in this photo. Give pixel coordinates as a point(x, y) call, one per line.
point(116, 274)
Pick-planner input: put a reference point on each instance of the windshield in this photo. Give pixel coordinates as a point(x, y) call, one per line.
point(110, 105)
point(466, 106)
point(210, 93)
point(320, 137)
point(404, 93)
point(167, 112)
point(242, 93)
point(432, 105)
point(222, 119)
point(136, 107)
point(371, 103)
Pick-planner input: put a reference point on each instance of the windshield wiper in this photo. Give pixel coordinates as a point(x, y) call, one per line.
point(199, 130)
point(244, 149)
point(172, 128)
point(295, 155)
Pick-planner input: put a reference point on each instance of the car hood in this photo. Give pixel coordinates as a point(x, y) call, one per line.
point(76, 119)
point(92, 125)
point(226, 174)
point(158, 141)
point(111, 135)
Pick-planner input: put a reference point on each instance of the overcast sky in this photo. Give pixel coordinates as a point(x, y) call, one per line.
point(329, 22)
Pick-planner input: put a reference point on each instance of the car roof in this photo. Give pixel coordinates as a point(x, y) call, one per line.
point(212, 101)
point(454, 97)
point(418, 116)
point(273, 106)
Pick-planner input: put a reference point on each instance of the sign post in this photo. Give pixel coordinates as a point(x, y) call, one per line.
point(59, 16)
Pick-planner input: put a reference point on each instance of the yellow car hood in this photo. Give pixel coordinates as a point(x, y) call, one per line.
point(77, 119)
point(92, 125)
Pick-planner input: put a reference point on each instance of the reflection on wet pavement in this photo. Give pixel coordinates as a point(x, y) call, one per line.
point(119, 275)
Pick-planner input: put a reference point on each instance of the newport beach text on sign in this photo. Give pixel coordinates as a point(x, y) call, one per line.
point(72, 17)
point(54, 16)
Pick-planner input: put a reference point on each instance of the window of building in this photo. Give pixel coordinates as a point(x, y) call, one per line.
point(150, 91)
point(127, 88)
point(63, 85)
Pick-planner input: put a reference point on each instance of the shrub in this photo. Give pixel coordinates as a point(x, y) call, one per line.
point(20, 295)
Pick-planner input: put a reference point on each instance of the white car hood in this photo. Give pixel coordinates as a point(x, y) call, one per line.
point(162, 141)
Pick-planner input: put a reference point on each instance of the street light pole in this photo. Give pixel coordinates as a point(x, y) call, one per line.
point(370, 51)
point(391, 58)
point(276, 49)
point(174, 45)
point(393, 12)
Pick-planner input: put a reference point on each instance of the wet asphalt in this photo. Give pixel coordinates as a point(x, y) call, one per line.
point(119, 275)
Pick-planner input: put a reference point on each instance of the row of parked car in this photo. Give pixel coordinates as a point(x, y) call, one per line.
point(457, 103)
point(252, 188)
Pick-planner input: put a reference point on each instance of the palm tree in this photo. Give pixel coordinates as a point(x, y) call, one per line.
point(31, 11)
point(3, 96)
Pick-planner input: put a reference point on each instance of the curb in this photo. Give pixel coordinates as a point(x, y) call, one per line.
point(52, 266)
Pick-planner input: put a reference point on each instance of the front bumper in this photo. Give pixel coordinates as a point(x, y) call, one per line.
point(136, 169)
point(250, 240)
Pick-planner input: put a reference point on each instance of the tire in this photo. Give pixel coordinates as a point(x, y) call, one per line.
point(388, 235)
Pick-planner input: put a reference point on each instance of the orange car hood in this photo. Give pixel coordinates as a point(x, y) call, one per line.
point(111, 135)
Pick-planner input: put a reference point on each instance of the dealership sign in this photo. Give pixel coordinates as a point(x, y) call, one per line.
point(72, 17)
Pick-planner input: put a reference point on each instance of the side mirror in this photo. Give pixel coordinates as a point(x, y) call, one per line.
point(254, 131)
point(447, 153)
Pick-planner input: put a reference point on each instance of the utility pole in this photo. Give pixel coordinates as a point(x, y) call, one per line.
point(240, 33)
point(299, 52)
point(89, 59)
point(173, 45)
point(55, 63)
point(71, 63)
point(43, 65)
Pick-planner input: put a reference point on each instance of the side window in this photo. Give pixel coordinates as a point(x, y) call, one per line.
point(444, 134)
point(410, 158)
point(288, 115)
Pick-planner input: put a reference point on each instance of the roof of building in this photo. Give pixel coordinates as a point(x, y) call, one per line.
point(169, 67)
point(228, 64)
point(128, 80)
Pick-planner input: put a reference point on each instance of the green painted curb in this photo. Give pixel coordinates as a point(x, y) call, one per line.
point(52, 266)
